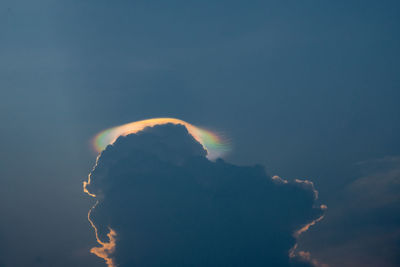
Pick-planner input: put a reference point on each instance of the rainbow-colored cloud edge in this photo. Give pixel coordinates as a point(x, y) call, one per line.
point(213, 143)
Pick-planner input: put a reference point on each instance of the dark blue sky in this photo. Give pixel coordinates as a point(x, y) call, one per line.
point(306, 88)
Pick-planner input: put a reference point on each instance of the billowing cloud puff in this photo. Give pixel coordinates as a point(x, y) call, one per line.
point(161, 202)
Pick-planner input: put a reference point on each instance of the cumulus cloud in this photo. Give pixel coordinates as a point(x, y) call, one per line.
point(161, 202)
point(362, 226)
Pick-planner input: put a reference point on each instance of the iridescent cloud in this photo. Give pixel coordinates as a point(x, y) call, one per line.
point(215, 145)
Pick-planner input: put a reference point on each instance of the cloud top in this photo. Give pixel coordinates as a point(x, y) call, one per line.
point(213, 143)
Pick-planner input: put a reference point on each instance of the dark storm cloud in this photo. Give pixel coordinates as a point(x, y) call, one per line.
point(362, 226)
point(170, 206)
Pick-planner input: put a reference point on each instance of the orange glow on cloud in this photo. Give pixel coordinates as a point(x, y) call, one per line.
point(107, 248)
point(305, 255)
point(213, 143)
point(307, 226)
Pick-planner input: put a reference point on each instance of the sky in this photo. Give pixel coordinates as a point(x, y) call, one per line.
point(307, 89)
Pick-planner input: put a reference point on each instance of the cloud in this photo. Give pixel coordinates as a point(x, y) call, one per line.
point(161, 202)
point(362, 226)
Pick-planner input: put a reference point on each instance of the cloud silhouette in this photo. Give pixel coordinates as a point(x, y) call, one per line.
point(362, 226)
point(161, 202)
